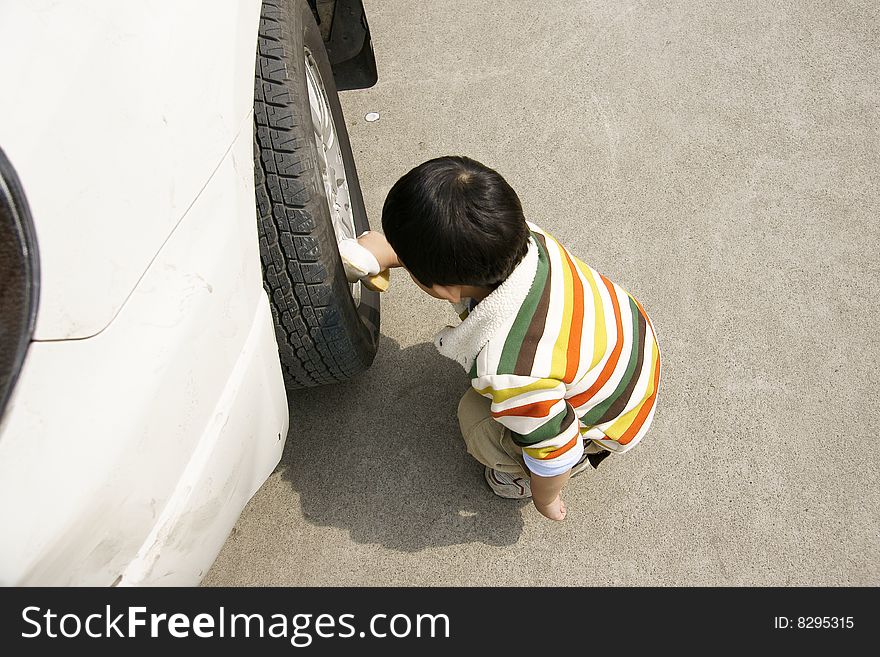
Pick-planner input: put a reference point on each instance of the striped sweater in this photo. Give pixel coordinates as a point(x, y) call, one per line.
point(564, 354)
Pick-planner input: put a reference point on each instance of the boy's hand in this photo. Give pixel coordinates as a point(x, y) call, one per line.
point(555, 510)
point(368, 259)
point(376, 244)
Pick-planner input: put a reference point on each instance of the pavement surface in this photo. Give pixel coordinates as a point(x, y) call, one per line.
point(718, 160)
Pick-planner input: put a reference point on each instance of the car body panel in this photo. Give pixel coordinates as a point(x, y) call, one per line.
point(127, 457)
point(115, 116)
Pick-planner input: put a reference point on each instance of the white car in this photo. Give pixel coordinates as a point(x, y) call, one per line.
point(175, 178)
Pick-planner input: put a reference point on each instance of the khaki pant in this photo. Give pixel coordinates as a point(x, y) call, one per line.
point(487, 440)
point(490, 442)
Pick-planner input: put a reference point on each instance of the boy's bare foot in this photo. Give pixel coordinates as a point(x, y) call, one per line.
point(555, 510)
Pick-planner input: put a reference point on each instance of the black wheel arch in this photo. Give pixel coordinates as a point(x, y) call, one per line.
point(348, 42)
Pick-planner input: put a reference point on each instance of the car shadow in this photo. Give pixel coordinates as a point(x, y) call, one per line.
point(382, 457)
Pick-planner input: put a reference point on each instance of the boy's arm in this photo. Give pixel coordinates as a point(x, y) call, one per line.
point(547, 494)
point(544, 425)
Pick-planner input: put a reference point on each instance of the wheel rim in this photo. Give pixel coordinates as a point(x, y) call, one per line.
point(330, 162)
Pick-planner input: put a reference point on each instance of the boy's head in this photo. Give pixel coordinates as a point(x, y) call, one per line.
point(455, 222)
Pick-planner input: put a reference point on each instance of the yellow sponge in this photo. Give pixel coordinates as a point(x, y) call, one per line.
point(379, 282)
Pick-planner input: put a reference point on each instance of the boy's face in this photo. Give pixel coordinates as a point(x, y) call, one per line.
point(444, 292)
point(429, 290)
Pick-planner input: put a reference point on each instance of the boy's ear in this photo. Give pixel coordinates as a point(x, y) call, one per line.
point(449, 292)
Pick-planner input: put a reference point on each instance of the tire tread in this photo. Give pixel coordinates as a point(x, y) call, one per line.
point(314, 344)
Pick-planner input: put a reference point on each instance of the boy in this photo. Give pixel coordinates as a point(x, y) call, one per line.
point(564, 364)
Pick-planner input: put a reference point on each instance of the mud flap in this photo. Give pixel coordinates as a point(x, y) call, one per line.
point(350, 48)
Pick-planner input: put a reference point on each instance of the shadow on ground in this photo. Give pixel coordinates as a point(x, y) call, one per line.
point(382, 457)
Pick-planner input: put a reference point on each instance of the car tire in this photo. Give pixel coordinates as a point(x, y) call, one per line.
point(327, 330)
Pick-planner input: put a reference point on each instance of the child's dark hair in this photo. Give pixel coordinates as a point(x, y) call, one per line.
point(454, 221)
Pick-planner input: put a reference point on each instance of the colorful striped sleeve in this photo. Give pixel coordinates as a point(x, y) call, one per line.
point(540, 420)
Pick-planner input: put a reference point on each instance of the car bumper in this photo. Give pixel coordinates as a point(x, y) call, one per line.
point(236, 452)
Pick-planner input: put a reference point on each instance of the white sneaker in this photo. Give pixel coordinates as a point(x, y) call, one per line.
point(507, 485)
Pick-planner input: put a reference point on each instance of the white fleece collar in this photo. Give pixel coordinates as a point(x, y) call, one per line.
point(464, 342)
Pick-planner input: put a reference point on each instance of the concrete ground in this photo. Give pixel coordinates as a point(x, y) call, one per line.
point(718, 160)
